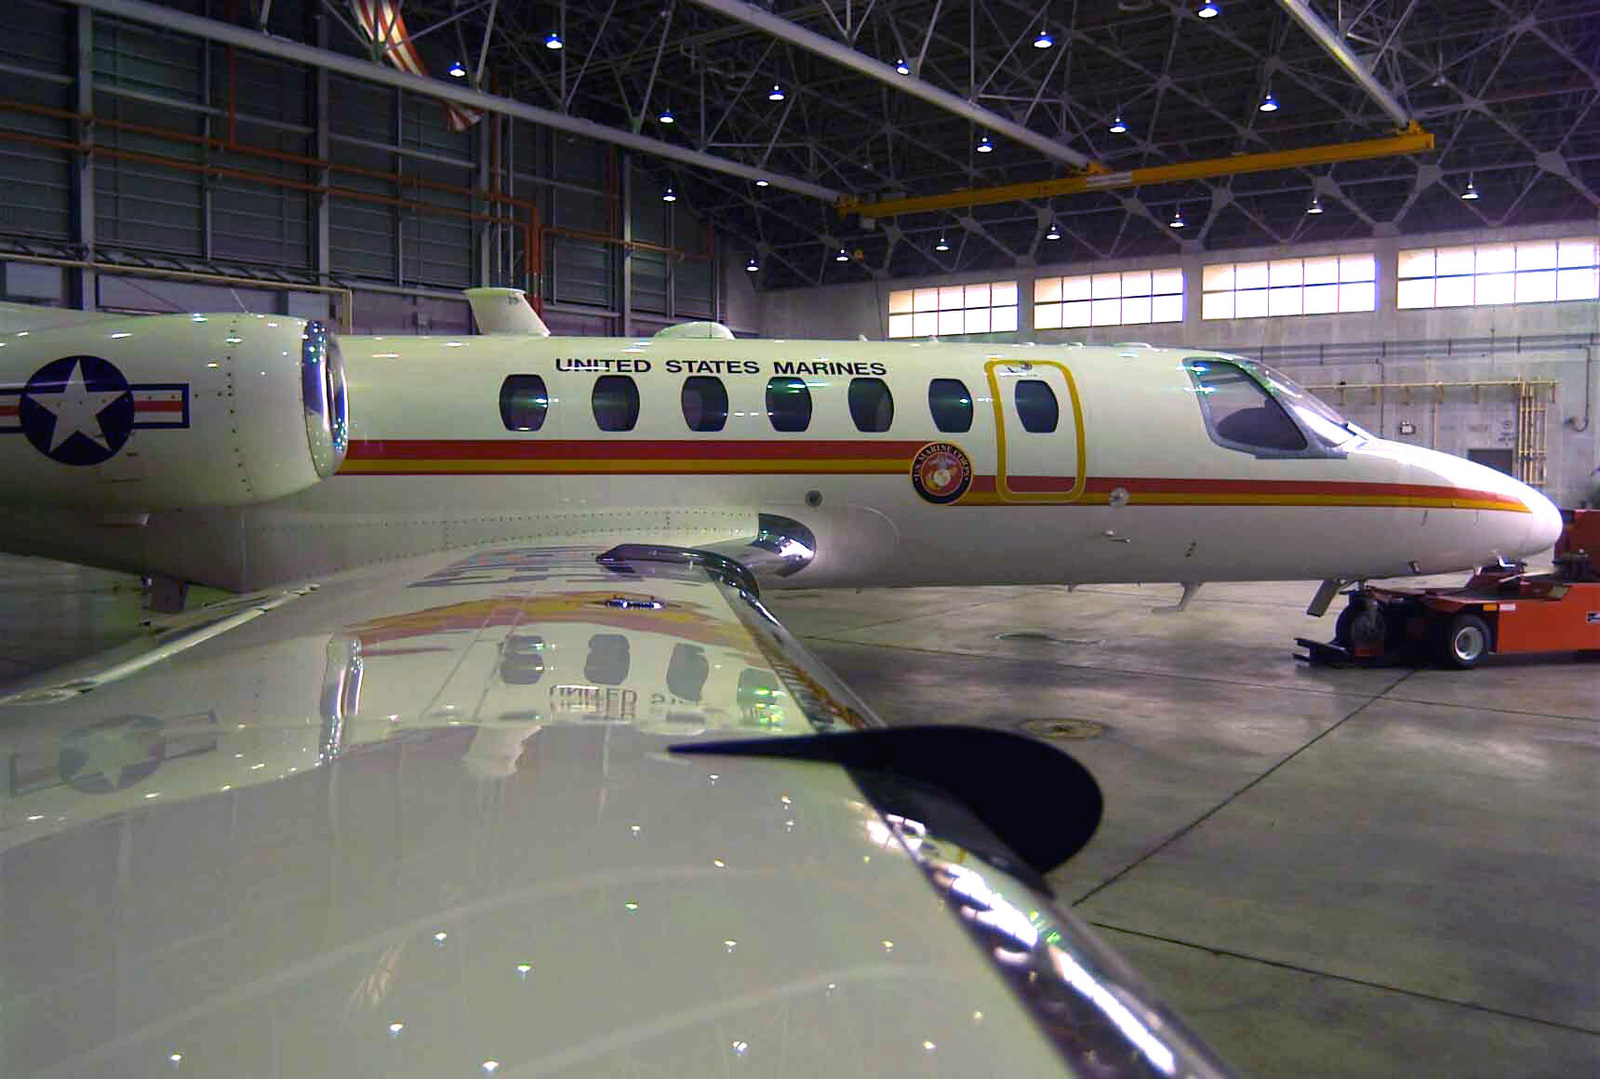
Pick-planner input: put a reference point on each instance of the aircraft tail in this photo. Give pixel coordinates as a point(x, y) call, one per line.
point(505, 310)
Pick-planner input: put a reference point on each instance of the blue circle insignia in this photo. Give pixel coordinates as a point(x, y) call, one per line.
point(77, 410)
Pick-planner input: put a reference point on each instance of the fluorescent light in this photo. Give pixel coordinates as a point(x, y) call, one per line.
point(552, 40)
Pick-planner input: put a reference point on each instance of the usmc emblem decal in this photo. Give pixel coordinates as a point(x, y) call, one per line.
point(941, 472)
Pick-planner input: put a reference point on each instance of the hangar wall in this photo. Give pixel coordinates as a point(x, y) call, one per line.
point(1459, 354)
point(130, 155)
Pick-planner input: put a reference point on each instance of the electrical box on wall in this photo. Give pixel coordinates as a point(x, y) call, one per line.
point(1407, 427)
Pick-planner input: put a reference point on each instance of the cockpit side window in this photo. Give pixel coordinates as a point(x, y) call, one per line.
point(1240, 414)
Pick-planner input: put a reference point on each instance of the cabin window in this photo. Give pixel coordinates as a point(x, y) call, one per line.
point(608, 660)
point(705, 403)
point(616, 403)
point(1240, 413)
point(1036, 406)
point(950, 404)
point(687, 671)
point(523, 402)
point(522, 660)
point(788, 404)
point(871, 404)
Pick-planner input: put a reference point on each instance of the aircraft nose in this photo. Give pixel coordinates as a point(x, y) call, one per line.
point(1546, 526)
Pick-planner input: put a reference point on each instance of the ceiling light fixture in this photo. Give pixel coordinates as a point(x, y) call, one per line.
point(1471, 193)
point(1117, 126)
point(1316, 205)
point(666, 117)
point(456, 70)
point(1268, 103)
point(1177, 221)
point(752, 266)
point(552, 40)
point(842, 256)
point(941, 245)
point(1054, 233)
point(901, 67)
point(776, 93)
point(1208, 10)
point(985, 146)
point(1044, 40)
point(669, 195)
point(763, 182)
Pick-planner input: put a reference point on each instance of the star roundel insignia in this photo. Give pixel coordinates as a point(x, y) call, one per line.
point(941, 472)
point(77, 410)
point(112, 755)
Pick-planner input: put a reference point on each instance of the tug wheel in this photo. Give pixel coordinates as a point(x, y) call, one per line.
point(1464, 641)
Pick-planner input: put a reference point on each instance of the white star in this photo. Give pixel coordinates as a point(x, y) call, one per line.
point(77, 409)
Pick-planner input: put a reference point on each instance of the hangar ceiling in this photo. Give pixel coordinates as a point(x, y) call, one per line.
point(1509, 89)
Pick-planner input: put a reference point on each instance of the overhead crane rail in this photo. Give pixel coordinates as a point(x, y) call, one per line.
point(1412, 140)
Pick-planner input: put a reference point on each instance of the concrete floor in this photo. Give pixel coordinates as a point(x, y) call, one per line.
point(1330, 872)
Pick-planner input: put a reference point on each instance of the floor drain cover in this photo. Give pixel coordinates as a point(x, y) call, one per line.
point(1064, 728)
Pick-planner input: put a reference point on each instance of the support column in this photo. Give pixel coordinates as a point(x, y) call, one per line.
point(322, 209)
point(627, 245)
point(84, 296)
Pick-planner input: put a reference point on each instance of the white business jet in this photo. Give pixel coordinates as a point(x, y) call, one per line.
point(503, 768)
point(244, 451)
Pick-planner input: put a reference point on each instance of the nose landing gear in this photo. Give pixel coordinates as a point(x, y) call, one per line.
point(1502, 609)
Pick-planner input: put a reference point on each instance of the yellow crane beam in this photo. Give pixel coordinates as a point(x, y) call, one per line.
point(1410, 141)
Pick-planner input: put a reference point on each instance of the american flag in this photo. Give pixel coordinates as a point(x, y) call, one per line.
point(380, 20)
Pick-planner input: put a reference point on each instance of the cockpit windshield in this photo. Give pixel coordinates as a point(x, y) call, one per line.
point(1251, 408)
point(1315, 414)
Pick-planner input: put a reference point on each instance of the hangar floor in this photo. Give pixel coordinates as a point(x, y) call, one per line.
point(1330, 872)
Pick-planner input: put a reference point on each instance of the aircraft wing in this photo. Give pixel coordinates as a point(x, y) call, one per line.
point(541, 810)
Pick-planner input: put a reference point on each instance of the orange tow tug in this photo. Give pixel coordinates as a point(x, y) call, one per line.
point(1501, 610)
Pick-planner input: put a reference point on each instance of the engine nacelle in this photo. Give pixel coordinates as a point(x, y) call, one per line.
point(170, 411)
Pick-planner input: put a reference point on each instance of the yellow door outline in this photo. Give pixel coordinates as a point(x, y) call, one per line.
point(1002, 486)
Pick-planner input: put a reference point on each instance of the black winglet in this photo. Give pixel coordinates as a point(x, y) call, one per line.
point(1036, 800)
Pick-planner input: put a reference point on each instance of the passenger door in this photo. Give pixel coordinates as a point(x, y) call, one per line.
point(1038, 431)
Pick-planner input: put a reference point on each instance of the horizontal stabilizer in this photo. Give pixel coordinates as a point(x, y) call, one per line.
point(505, 310)
point(15, 317)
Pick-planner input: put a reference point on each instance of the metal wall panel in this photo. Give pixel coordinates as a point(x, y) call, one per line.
point(580, 271)
point(260, 214)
